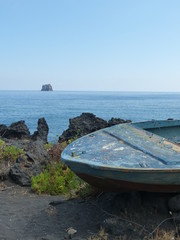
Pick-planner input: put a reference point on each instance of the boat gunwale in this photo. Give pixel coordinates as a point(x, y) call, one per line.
point(171, 123)
point(120, 169)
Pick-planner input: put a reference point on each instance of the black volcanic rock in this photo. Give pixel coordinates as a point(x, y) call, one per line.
point(115, 121)
point(47, 87)
point(82, 125)
point(42, 131)
point(17, 130)
point(35, 159)
point(35, 156)
point(87, 123)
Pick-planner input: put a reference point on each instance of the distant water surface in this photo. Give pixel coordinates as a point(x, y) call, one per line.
point(58, 106)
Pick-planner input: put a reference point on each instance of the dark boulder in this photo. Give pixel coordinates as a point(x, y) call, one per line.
point(115, 121)
point(34, 158)
point(17, 130)
point(82, 125)
point(87, 123)
point(42, 131)
point(22, 176)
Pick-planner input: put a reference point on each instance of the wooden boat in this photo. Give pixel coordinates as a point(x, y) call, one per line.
point(142, 156)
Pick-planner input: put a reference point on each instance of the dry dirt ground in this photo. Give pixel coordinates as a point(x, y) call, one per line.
point(25, 215)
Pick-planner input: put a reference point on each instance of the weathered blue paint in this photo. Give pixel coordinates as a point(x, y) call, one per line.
point(130, 153)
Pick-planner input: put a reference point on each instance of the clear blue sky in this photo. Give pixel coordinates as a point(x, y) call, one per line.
point(122, 45)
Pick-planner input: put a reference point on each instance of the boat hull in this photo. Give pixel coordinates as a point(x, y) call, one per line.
point(113, 185)
point(122, 179)
point(129, 157)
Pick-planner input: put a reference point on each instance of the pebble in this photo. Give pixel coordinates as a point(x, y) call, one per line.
point(71, 232)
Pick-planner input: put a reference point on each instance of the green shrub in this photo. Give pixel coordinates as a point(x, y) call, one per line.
point(10, 152)
point(56, 179)
point(48, 146)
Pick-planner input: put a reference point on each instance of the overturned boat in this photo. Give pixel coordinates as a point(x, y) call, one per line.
point(143, 156)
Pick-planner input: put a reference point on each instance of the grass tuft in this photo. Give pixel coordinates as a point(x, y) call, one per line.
point(164, 235)
point(10, 152)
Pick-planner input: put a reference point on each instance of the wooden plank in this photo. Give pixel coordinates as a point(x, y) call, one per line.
point(103, 150)
point(149, 143)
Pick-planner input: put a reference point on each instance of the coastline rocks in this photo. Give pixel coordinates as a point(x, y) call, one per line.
point(85, 124)
point(35, 156)
point(82, 125)
point(42, 131)
point(47, 87)
point(115, 121)
point(17, 130)
point(31, 164)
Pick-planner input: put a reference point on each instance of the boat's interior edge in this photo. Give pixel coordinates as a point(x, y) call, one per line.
point(169, 129)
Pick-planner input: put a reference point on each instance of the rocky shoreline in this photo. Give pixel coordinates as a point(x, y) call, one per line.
point(106, 216)
point(87, 123)
point(36, 157)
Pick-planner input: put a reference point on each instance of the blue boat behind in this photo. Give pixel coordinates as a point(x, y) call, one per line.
point(142, 156)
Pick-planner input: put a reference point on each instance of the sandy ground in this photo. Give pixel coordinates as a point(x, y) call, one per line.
point(25, 215)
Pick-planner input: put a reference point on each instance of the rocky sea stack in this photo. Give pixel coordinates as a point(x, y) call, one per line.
point(47, 87)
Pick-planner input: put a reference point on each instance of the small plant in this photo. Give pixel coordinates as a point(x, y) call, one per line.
point(56, 179)
point(10, 152)
point(48, 146)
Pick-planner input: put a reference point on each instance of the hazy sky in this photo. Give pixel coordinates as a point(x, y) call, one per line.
point(124, 45)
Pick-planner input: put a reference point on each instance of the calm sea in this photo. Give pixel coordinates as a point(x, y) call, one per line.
point(58, 106)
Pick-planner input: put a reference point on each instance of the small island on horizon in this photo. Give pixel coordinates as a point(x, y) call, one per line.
point(46, 87)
